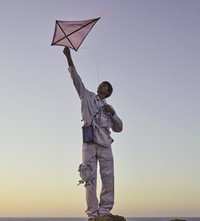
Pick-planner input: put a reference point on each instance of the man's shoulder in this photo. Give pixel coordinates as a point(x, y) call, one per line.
point(89, 94)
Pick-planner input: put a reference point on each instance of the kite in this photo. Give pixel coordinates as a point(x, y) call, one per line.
point(72, 33)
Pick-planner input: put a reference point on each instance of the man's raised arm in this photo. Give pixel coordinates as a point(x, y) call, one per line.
point(67, 53)
point(80, 88)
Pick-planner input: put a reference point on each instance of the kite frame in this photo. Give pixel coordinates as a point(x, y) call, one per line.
point(66, 36)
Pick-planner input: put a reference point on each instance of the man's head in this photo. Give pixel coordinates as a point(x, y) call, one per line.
point(104, 90)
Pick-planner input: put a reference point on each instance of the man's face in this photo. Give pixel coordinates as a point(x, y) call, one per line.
point(103, 89)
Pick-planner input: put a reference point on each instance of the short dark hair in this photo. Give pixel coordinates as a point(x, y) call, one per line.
point(110, 88)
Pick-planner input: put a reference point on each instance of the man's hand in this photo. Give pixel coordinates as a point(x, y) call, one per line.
point(108, 109)
point(66, 51)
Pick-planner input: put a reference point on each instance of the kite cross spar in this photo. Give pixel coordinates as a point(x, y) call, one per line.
point(72, 33)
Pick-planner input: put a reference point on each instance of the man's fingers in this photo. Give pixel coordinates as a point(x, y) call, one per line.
point(66, 51)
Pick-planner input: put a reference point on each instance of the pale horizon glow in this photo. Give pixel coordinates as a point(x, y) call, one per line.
point(150, 51)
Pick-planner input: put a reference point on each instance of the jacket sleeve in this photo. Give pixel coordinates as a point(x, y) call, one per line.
point(117, 125)
point(80, 88)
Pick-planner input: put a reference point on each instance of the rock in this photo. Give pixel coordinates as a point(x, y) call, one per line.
point(108, 217)
point(177, 220)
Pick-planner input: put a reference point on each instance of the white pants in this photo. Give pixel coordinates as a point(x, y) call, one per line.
point(91, 154)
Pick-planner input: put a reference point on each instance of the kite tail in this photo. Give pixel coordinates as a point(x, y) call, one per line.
point(109, 7)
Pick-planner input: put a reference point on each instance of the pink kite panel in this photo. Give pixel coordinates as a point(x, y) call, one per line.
point(72, 33)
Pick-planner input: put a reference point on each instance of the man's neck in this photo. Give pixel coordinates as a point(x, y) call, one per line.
point(101, 96)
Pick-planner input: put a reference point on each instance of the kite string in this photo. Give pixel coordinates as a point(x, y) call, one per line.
point(108, 8)
point(103, 13)
point(96, 62)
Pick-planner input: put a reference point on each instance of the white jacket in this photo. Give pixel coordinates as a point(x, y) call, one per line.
point(92, 112)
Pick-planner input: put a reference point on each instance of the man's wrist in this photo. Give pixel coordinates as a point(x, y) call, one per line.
point(68, 54)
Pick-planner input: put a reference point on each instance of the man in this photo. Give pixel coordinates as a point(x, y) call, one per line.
point(99, 116)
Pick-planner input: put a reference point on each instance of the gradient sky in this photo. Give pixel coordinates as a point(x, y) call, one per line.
point(150, 51)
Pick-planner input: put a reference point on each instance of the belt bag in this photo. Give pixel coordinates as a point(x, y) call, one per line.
point(88, 134)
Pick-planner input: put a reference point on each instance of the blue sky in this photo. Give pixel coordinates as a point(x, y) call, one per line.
point(149, 50)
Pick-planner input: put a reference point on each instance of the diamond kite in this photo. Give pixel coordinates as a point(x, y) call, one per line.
point(72, 33)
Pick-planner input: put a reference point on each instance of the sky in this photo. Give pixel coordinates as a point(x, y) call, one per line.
point(150, 51)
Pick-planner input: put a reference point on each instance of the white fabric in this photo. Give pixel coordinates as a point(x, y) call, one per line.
point(91, 105)
point(93, 153)
point(98, 151)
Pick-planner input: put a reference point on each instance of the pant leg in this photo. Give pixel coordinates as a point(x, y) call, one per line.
point(89, 156)
point(106, 164)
